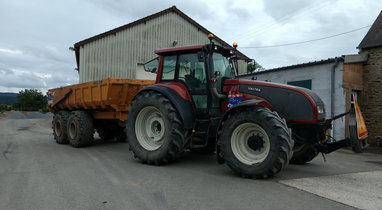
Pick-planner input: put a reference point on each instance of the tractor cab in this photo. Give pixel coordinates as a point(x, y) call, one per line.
point(201, 69)
point(198, 73)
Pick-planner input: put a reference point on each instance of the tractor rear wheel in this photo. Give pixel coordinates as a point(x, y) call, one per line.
point(59, 127)
point(255, 142)
point(303, 153)
point(80, 129)
point(155, 130)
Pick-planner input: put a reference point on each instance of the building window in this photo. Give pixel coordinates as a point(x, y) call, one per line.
point(302, 83)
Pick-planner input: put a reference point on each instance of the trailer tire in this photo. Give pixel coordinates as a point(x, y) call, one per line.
point(59, 127)
point(105, 134)
point(121, 135)
point(155, 130)
point(255, 142)
point(303, 154)
point(80, 129)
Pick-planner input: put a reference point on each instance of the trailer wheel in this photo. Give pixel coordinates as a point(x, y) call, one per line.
point(155, 130)
point(59, 127)
point(303, 153)
point(105, 134)
point(80, 129)
point(121, 135)
point(255, 142)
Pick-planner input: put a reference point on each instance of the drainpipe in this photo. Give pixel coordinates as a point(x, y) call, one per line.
point(336, 61)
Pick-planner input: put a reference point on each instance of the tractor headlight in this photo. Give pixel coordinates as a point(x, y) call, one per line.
point(321, 111)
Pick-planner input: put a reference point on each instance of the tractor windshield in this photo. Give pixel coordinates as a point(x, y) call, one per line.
point(223, 66)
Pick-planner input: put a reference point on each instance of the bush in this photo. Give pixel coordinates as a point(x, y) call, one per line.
point(30, 100)
point(5, 107)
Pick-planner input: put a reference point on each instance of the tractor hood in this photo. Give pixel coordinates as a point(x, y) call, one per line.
point(291, 103)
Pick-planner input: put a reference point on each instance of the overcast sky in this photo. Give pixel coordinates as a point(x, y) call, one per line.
point(35, 35)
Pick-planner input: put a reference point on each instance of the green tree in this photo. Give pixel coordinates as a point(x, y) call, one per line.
point(30, 100)
point(4, 108)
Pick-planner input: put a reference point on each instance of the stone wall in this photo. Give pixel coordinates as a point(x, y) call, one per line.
point(370, 99)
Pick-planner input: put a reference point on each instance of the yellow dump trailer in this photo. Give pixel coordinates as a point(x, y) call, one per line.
point(98, 105)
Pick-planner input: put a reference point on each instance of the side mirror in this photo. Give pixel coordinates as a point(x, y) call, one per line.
point(200, 56)
point(152, 65)
point(216, 74)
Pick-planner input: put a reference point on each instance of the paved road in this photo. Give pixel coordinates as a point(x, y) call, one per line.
point(37, 173)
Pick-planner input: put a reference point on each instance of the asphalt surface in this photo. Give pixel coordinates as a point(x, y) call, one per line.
point(37, 173)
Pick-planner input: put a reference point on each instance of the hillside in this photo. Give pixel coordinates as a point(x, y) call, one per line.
point(8, 98)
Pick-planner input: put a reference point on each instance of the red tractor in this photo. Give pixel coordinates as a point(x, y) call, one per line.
point(199, 103)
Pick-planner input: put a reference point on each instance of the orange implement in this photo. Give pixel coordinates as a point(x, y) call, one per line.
point(105, 99)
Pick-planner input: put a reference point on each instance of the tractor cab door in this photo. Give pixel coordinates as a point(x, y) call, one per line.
point(193, 74)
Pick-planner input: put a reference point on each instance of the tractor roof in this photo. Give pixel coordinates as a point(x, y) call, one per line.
point(178, 49)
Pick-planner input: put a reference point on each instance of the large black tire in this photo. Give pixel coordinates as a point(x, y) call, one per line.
point(255, 142)
point(80, 129)
point(59, 127)
point(303, 153)
point(120, 135)
point(155, 130)
point(105, 134)
point(359, 145)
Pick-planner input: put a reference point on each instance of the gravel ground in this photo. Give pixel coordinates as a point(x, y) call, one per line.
point(26, 115)
point(37, 173)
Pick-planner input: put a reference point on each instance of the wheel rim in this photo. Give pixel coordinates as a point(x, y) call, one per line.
point(72, 130)
point(150, 128)
point(58, 128)
point(250, 143)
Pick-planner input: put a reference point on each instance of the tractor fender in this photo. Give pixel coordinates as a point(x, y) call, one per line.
point(185, 108)
point(241, 105)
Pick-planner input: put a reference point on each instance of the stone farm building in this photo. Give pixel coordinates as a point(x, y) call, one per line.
point(335, 79)
point(121, 52)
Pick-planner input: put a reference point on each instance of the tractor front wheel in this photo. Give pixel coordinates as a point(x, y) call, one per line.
point(255, 142)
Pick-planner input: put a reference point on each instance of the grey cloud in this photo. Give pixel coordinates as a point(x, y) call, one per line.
point(48, 52)
point(23, 80)
point(28, 80)
point(239, 12)
point(5, 70)
point(136, 9)
point(283, 9)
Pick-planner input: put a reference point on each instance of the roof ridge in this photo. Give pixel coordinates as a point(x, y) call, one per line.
point(150, 17)
point(310, 63)
point(373, 37)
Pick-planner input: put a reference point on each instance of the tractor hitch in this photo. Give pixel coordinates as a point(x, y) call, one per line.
point(328, 147)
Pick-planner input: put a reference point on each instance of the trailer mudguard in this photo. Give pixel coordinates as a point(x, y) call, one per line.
point(185, 108)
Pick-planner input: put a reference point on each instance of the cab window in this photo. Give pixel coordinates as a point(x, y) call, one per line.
point(168, 69)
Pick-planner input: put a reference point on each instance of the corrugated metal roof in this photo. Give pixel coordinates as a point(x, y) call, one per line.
point(313, 63)
point(150, 17)
point(373, 37)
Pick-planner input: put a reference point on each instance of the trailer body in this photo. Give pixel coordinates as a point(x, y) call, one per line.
point(104, 99)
